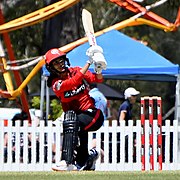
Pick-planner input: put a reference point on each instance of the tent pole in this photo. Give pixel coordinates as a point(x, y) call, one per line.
point(177, 111)
point(177, 100)
point(47, 102)
point(42, 96)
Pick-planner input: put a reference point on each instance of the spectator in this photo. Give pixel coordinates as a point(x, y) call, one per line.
point(18, 117)
point(125, 113)
point(125, 109)
point(99, 99)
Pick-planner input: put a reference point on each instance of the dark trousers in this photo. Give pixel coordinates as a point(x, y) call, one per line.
point(88, 121)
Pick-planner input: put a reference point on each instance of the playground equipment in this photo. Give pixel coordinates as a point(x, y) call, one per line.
point(43, 14)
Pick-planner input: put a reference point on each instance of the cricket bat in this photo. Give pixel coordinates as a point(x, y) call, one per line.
point(89, 30)
point(88, 27)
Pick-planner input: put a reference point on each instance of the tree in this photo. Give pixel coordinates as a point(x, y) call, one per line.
point(67, 27)
point(61, 29)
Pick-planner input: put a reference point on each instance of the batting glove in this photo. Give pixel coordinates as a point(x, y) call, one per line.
point(98, 68)
point(99, 61)
point(92, 51)
point(90, 60)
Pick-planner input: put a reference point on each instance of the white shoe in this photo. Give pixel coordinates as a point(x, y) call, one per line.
point(63, 166)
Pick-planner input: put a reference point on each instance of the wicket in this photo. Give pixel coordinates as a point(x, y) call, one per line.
point(151, 108)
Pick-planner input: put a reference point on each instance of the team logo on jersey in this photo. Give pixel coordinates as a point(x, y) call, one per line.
point(74, 92)
point(57, 85)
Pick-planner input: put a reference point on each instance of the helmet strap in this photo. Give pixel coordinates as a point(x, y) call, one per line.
point(67, 61)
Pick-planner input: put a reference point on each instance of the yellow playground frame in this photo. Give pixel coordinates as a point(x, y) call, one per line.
point(52, 10)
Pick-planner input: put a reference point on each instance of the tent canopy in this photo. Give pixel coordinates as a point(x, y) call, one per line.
point(127, 59)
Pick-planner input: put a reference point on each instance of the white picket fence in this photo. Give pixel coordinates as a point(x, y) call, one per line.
point(33, 146)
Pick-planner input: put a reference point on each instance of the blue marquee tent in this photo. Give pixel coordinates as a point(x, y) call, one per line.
point(130, 59)
point(127, 59)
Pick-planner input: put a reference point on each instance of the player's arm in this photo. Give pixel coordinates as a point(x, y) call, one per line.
point(93, 77)
point(85, 69)
point(122, 115)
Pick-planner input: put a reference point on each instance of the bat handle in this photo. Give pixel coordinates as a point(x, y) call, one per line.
point(91, 39)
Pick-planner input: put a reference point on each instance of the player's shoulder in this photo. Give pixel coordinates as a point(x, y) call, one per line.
point(124, 104)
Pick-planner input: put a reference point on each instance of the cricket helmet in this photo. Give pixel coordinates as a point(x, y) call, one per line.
point(55, 54)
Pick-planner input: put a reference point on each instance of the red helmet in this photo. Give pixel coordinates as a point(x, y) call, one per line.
point(53, 54)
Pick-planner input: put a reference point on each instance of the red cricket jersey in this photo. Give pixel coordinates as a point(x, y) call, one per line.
point(73, 92)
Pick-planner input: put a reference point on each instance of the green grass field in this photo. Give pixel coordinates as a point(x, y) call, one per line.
point(83, 175)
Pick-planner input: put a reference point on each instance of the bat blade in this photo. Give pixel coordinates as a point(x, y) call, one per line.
point(88, 27)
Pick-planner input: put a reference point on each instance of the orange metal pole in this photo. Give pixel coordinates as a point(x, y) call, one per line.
point(23, 97)
point(136, 8)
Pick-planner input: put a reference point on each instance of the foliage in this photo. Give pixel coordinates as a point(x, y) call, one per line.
point(166, 44)
point(28, 42)
point(35, 102)
point(56, 109)
point(55, 106)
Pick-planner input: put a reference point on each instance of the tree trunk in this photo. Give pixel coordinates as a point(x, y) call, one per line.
point(62, 28)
